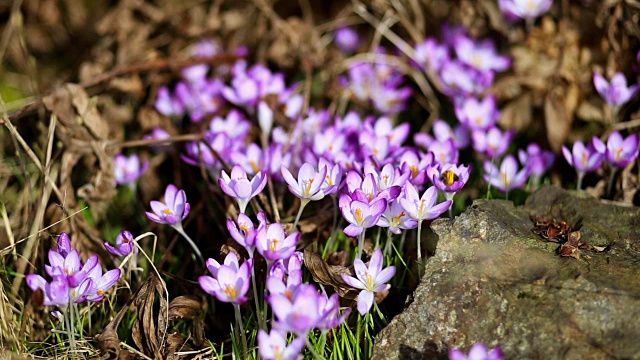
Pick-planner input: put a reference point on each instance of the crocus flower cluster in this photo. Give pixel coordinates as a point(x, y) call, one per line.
point(470, 72)
point(129, 169)
point(616, 93)
point(377, 83)
point(72, 280)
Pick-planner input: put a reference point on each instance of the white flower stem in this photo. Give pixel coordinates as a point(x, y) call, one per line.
point(181, 231)
point(580, 177)
point(419, 245)
point(361, 244)
point(303, 203)
point(71, 326)
point(240, 324)
point(261, 322)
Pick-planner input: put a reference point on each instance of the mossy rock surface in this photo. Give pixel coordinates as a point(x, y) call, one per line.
point(493, 280)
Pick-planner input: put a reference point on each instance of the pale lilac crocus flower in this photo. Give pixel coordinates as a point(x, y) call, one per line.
point(172, 212)
point(616, 93)
point(620, 153)
point(125, 244)
point(273, 346)
point(231, 284)
point(443, 132)
point(478, 352)
point(478, 114)
point(481, 55)
point(243, 232)
point(240, 187)
point(347, 39)
point(396, 219)
point(525, 9)
point(493, 142)
point(422, 208)
point(506, 177)
point(308, 186)
point(361, 216)
point(370, 280)
point(444, 151)
point(273, 244)
point(300, 314)
point(128, 170)
point(101, 283)
point(449, 178)
point(536, 160)
point(585, 158)
point(431, 55)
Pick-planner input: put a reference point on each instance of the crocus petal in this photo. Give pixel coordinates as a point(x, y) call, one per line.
point(365, 301)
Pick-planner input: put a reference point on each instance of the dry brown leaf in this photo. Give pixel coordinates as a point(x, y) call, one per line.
point(558, 118)
point(329, 275)
point(185, 307)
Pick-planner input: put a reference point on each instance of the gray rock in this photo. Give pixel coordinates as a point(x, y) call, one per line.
point(493, 280)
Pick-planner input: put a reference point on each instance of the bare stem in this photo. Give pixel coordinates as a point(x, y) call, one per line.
point(240, 324)
point(303, 203)
point(181, 231)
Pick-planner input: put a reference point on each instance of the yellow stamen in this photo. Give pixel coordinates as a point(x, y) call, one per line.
point(273, 245)
point(256, 168)
point(307, 188)
point(328, 180)
point(449, 177)
point(584, 159)
point(414, 171)
point(167, 211)
point(358, 215)
point(618, 154)
point(504, 179)
point(231, 291)
point(244, 227)
point(100, 292)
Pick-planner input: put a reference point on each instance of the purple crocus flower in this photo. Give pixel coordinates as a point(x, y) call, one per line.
point(443, 132)
point(370, 280)
point(361, 215)
point(525, 9)
point(585, 158)
point(70, 266)
point(493, 142)
point(431, 55)
point(460, 79)
point(615, 93)
point(389, 179)
point(129, 169)
point(158, 133)
point(168, 105)
point(422, 207)
point(330, 312)
point(173, 210)
point(444, 151)
point(273, 346)
point(272, 243)
point(476, 114)
point(56, 293)
point(536, 160)
point(481, 55)
point(333, 178)
point(125, 244)
point(621, 152)
point(240, 187)
point(231, 283)
point(396, 218)
point(507, 177)
point(449, 177)
point(101, 283)
point(416, 165)
point(478, 352)
point(299, 314)
point(244, 232)
point(309, 184)
point(64, 244)
point(347, 39)
point(234, 125)
point(252, 159)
